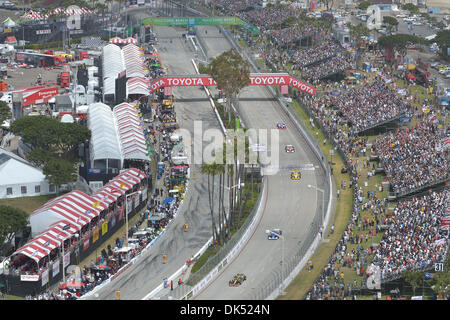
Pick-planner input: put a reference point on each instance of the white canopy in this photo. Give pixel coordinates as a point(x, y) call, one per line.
point(112, 61)
point(8, 23)
point(67, 118)
point(104, 140)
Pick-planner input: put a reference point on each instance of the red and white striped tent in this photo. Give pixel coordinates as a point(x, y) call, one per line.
point(126, 180)
point(33, 251)
point(130, 130)
point(116, 40)
point(52, 238)
point(108, 194)
point(138, 85)
point(35, 15)
point(76, 207)
point(133, 61)
point(130, 40)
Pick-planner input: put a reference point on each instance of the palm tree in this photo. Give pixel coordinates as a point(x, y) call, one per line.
point(211, 169)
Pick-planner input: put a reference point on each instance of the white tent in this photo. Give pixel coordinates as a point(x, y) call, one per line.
point(104, 145)
point(67, 118)
point(8, 23)
point(18, 178)
point(82, 109)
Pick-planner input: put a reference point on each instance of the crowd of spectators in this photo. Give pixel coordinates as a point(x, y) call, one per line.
point(414, 239)
point(291, 36)
point(269, 18)
point(370, 104)
point(414, 157)
point(326, 48)
point(340, 62)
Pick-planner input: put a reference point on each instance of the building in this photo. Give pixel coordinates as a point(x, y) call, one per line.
point(18, 178)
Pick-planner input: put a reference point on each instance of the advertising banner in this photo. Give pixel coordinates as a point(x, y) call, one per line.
point(28, 277)
point(167, 91)
point(44, 277)
point(120, 210)
point(66, 259)
point(137, 200)
point(38, 96)
point(55, 268)
point(271, 79)
point(95, 235)
point(144, 194)
point(104, 227)
point(86, 242)
point(129, 206)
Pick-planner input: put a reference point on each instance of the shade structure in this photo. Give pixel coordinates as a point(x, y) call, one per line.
point(75, 207)
point(130, 40)
point(116, 40)
point(132, 139)
point(167, 200)
point(104, 142)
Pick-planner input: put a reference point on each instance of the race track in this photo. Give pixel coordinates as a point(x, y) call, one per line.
point(289, 205)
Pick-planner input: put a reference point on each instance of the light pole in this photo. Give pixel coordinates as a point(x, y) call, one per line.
point(282, 265)
point(66, 227)
point(323, 201)
point(126, 217)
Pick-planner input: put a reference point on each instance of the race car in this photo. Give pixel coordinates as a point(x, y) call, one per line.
point(281, 125)
point(237, 280)
point(289, 148)
point(273, 236)
point(296, 175)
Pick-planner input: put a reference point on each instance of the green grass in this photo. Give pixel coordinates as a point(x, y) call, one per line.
point(304, 280)
point(11, 297)
point(344, 204)
point(27, 204)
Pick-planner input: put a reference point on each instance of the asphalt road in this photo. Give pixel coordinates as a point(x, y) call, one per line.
point(136, 282)
point(289, 205)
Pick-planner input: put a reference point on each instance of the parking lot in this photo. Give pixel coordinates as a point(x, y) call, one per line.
point(23, 77)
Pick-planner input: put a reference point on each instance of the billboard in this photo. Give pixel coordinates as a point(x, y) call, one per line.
point(254, 80)
point(38, 96)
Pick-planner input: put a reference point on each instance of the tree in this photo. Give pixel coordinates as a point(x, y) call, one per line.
point(231, 73)
point(211, 170)
point(39, 157)
point(357, 32)
point(413, 9)
point(5, 112)
point(61, 139)
point(415, 279)
point(443, 38)
point(59, 171)
point(364, 5)
point(391, 23)
point(440, 283)
point(12, 220)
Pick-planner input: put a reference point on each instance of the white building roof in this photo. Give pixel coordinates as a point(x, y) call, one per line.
point(16, 170)
point(104, 139)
